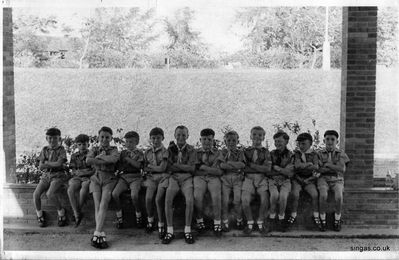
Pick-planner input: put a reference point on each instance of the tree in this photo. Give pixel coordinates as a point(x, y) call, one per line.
point(118, 37)
point(387, 36)
point(294, 34)
point(185, 48)
point(28, 41)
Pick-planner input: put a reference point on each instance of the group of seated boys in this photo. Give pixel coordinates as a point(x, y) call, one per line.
point(107, 173)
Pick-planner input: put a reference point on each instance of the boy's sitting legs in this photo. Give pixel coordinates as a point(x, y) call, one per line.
point(73, 191)
point(40, 189)
point(120, 187)
point(171, 192)
point(274, 198)
point(135, 187)
point(199, 193)
point(285, 189)
point(151, 188)
point(323, 188)
point(214, 187)
point(338, 187)
point(53, 195)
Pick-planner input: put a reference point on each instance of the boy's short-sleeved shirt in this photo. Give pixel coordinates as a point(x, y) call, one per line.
point(232, 155)
point(209, 158)
point(311, 156)
point(78, 164)
point(281, 159)
point(111, 150)
point(156, 156)
point(189, 156)
point(336, 156)
point(126, 167)
point(260, 157)
point(53, 155)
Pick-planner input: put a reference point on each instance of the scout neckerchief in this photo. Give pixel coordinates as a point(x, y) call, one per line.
point(329, 159)
point(52, 153)
point(154, 154)
point(205, 156)
point(180, 153)
point(303, 154)
point(280, 156)
point(255, 155)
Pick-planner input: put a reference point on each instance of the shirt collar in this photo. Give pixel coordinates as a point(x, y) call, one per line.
point(212, 150)
point(55, 148)
point(157, 149)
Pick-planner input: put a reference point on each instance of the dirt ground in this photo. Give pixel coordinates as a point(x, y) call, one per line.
point(77, 242)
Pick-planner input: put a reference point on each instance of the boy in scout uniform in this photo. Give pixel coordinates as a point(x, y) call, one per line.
point(332, 162)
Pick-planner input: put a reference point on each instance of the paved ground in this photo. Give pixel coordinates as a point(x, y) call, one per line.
point(50, 239)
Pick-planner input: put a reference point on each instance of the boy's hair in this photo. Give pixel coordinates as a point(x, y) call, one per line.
point(281, 133)
point(331, 132)
point(156, 131)
point(232, 132)
point(258, 128)
point(181, 127)
point(105, 129)
point(82, 138)
point(132, 134)
point(304, 137)
point(207, 132)
point(53, 131)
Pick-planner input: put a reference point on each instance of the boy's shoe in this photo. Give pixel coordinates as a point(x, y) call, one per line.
point(265, 229)
point(217, 229)
point(317, 222)
point(161, 232)
point(323, 225)
point(282, 225)
point(95, 241)
point(102, 243)
point(150, 227)
point(290, 222)
point(119, 223)
point(225, 227)
point(188, 237)
point(168, 238)
point(78, 219)
point(139, 222)
point(200, 227)
point(41, 220)
point(337, 225)
point(62, 221)
point(248, 230)
point(240, 225)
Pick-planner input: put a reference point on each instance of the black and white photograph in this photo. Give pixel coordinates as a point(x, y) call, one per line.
point(173, 129)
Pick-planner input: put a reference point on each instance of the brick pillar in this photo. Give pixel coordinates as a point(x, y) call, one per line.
point(359, 55)
point(8, 96)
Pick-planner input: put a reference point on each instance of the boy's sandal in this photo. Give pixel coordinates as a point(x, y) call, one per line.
point(78, 219)
point(316, 221)
point(95, 241)
point(119, 222)
point(168, 238)
point(102, 242)
point(139, 222)
point(248, 230)
point(149, 227)
point(225, 227)
point(291, 220)
point(337, 225)
point(161, 232)
point(240, 225)
point(200, 226)
point(61, 221)
point(189, 238)
point(323, 225)
point(217, 229)
point(41, 220)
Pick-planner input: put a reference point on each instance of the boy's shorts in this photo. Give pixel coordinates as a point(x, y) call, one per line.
point(255, 181)
point(276, 184)
point(297, 186)
point(232, 180)
point(154, 180)
point(326, 182)
point(180, 181)
point(77, 180)
point(102, 181)
point(130, 181)
point(57, 179)
point(201, 182)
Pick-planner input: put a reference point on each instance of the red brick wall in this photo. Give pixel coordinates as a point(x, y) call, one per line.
point(8, 96)
point(358, 88)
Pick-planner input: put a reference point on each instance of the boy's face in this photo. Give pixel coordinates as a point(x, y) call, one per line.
point(156, 140)
point(53, 141)
point(231, 142)
point(280, 143)
point(82, 146)
point(257, 137)
point(304, 145)
point(331, 142)
point(181, 136)
point(104, 138)
point(207, 141)
point(131, 143)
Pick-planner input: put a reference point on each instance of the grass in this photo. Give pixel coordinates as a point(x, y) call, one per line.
point(81, 101)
